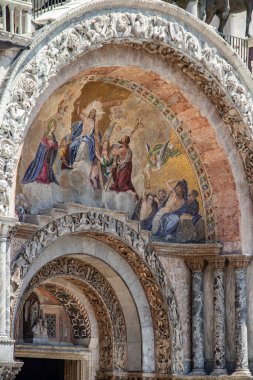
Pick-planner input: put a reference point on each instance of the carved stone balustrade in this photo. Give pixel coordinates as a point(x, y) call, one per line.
point(16, 16)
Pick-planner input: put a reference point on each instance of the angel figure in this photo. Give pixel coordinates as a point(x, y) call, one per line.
point(158, 156)
point(105, 159)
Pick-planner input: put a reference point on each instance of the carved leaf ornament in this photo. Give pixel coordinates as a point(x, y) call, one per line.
point(216, 77)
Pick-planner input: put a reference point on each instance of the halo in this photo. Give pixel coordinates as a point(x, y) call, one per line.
point(97, 105)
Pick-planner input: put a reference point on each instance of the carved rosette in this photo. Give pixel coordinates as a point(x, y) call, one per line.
point(241, 335)
point(132, 246)
point(216, 77)
point(196, 267)
point(219, 315)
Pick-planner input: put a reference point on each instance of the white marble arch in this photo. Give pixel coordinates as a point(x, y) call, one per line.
point(125, 283)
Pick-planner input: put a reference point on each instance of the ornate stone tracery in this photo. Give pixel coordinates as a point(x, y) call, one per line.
point(201, 61)
point(77, 314)
point(128, 242)
point(108, 307)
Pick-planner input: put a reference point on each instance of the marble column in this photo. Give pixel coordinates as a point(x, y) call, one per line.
point(241, 334)
point(3, 272)
point(219, 316)
point(8, 367)
point(196, 267)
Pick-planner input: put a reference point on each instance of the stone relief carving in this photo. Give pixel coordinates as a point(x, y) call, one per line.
point(9, 371)
point(39, 329)
point(106, 228)
point(77, 314)
point(79, 273)
point(201, 62)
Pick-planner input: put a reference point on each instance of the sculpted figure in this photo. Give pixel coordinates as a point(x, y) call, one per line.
point(177, 34)
point(223, 8)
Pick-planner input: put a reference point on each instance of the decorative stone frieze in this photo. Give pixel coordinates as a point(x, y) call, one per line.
point(134, 247)
point(241, 335)
point(196, 267)
point(219, 316)
point(187, 251)
point(158, 35)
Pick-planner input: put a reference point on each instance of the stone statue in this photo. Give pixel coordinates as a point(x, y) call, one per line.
point(33, 313)
point(223, 8)
point(39, 329)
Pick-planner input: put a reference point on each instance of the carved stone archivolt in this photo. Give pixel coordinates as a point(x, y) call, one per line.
point(80, 273)
point(157, 34)
point(133, 246)
point(75, 310)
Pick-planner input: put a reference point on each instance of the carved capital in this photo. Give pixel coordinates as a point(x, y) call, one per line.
point(8, 371)
point(7, 227)
point(239, 262)
point(217, 263)
point(196, 265)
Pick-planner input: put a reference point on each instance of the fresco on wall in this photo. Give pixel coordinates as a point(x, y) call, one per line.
point(101, 145)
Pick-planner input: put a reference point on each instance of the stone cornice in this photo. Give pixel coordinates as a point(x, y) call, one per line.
point(25, 230)
point(187, 251)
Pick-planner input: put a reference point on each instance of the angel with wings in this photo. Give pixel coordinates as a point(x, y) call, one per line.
point(158, 155)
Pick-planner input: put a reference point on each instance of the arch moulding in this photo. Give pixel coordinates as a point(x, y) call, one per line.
point(134, 248)
point(174, 35)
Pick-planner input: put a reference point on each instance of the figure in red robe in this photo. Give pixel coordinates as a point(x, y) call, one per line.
point(121, 173)
point(41, 168)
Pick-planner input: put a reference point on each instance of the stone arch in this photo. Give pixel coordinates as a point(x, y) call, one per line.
point(133, 246)
point(206, 58)
point(80, 273)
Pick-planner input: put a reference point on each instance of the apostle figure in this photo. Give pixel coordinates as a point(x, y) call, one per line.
point(145, 210)
point(166, 221)
point(41, 168)
point(121, 173)
point(80, 144)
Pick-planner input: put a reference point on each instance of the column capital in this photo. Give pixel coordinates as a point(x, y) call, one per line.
point(239, 262)
point(9, 370)
point(217, 263)
point(6, 226)
point(196, 265)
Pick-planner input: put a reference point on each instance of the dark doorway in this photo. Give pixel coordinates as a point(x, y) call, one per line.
point(41, 369)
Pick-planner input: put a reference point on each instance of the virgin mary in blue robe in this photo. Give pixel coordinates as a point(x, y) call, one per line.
point(41, 168)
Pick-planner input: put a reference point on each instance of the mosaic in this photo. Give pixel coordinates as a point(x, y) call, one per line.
point(101, 144)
